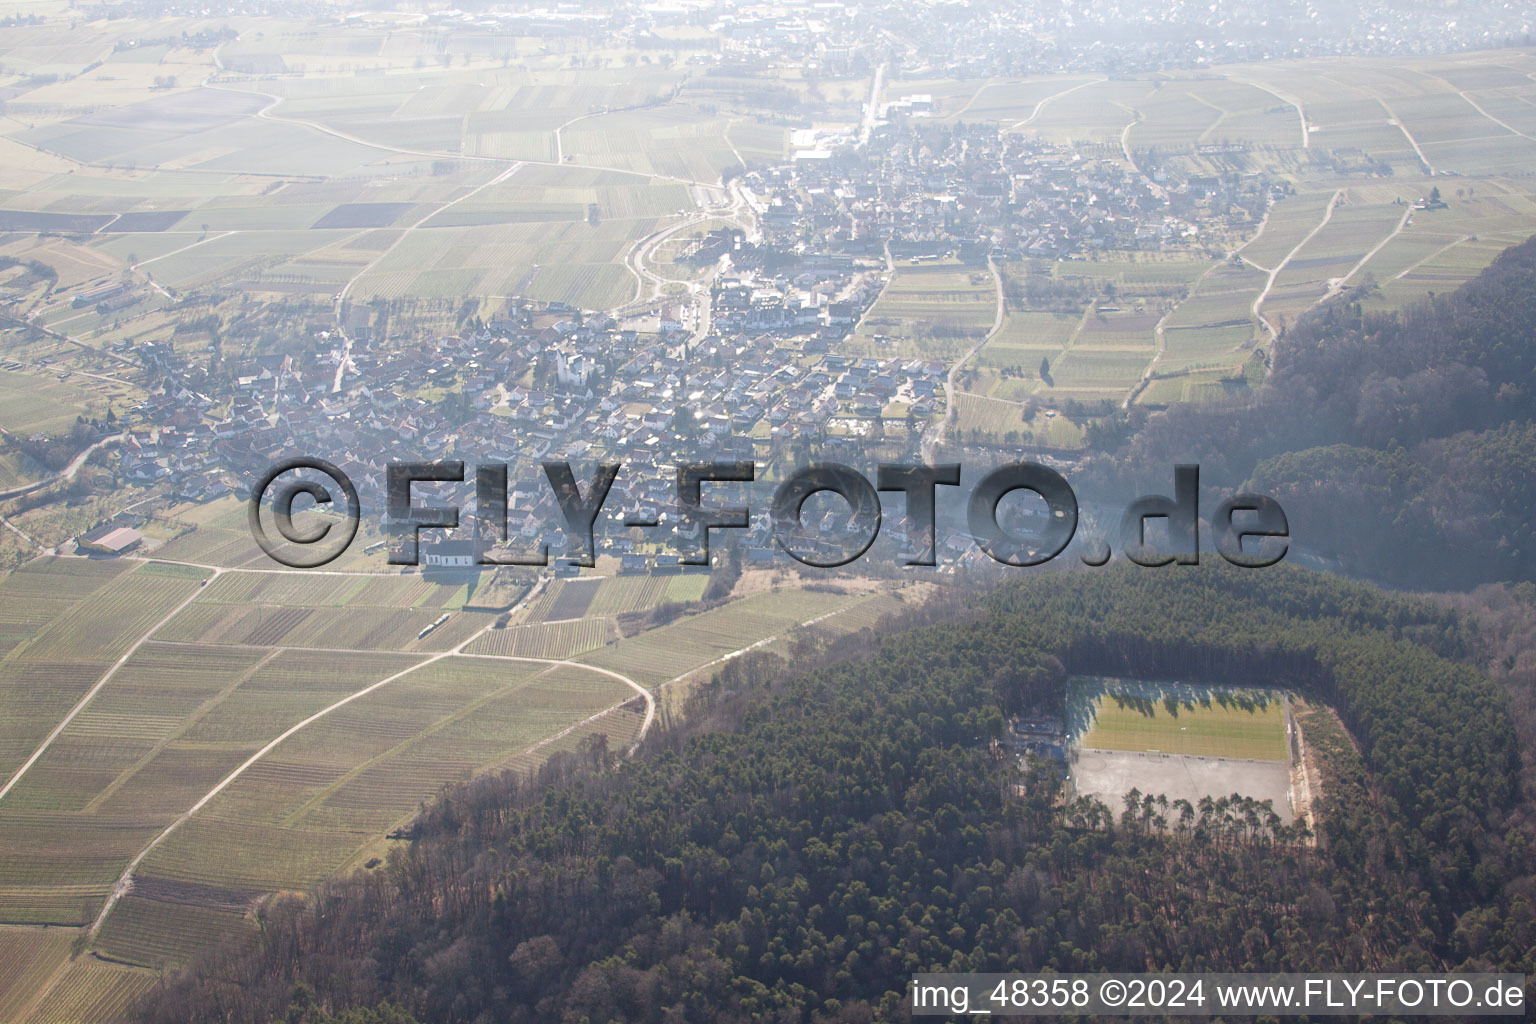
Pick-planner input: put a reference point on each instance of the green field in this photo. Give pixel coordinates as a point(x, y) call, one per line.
point(1175, 718)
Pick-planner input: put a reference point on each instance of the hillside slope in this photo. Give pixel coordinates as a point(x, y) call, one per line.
point(811, 841)
point(1401, 444)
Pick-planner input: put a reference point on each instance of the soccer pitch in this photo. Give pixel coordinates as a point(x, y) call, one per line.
point(1177, 718)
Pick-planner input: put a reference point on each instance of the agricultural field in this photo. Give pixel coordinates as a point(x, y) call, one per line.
point(567, 599)
point(553, 259)
point(1177, 112)
point(320, 797)
point(320, 181)
point(661, 655)
point(1015, 351)
point(1359, 142)
point(864, 613)
point(1145, 327)
point(39, 401)
point(350, 628)
point(28, 955)
point(986, 417)
point(1214, 326)
point(90, 989)
point(989, 417)
point(173, 722)
point(217, 533)
point(229, 755)
point(677, 142)
point(1094, 112)
point(1016, 103)
point(931, 310)
point(1114, 347)
point(180, 716)
point(56, 660)
point(298, 588)
point(35, 594)
point(553, 640)
point(1179, 330)
point(613, 596)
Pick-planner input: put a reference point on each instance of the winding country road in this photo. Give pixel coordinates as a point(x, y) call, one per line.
point(1339, 283)
point(930, 444)
point(124, 883)
point(1044, 102)
point(1301, 114)
point(438, 209)
point(1258, 303)
point(67, 473)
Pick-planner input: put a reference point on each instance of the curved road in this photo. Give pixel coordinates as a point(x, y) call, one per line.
point(67, 473)
point(930, 444)
point(1258, 303)
point(124, 883)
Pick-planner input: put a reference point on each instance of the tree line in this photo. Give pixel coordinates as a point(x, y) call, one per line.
point(1401, 443)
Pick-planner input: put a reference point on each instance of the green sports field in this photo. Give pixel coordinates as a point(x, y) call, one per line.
point(1177, 718)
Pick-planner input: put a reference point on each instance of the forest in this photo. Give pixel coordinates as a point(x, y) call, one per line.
point(1399, 443)
point(808, 835)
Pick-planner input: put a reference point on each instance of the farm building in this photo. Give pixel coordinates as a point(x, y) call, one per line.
point(110, 539)
point(100, 294)
point(118, 302)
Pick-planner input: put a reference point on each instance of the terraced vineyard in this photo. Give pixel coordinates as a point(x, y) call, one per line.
point(61, 642)
point(663, 654)
point(341, 628)
point(91, 990)
point(27, 956)
point(297, 759)
point(551, 640)
point(934, 310)
point(622, 594)
point(613, 595)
